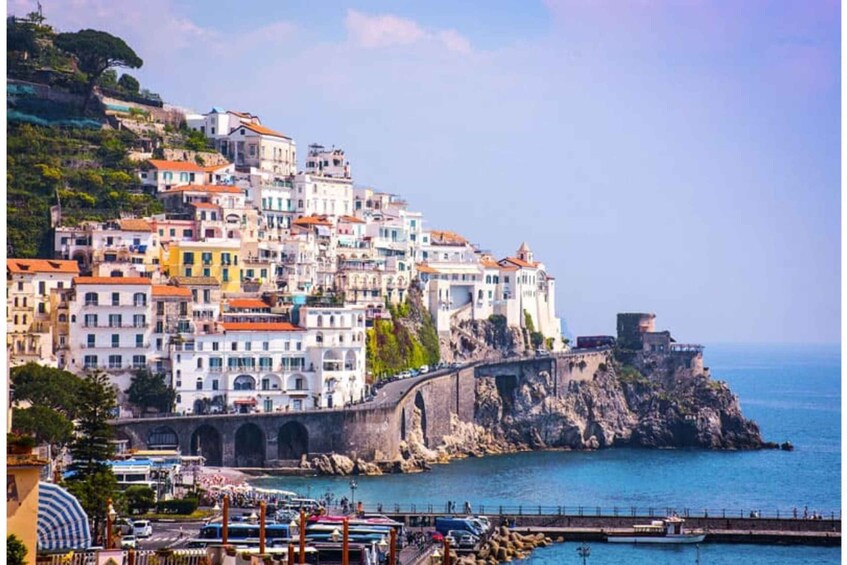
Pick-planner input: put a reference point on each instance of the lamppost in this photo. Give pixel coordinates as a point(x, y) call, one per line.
point(353, 486)
point(584, 551)
point(110, 517)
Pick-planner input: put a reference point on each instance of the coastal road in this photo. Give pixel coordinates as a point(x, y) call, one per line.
point(167, 534)
point(392, 392)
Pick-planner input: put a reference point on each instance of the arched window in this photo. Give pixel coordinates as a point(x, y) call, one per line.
point(63, 318)
point(91, 299)
point(332, 321)
point(319, 338)
point(244, 382)
point(320, 321)
point(199, 383)
point(139, 299)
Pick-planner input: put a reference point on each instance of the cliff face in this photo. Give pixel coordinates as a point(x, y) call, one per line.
point(472, 340)
point(668, 406)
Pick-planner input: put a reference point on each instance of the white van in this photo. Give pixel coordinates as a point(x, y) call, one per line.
point(142, 528)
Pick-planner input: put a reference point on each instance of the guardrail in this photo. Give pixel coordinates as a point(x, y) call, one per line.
point(140, 557)
point(425, 509)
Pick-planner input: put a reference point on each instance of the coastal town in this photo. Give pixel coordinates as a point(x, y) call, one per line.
point(219, 344)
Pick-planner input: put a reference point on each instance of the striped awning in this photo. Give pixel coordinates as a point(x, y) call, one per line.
point(62, 523)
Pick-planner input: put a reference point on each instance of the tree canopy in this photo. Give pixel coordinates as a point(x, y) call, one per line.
point(148, 390)
point(95, 53)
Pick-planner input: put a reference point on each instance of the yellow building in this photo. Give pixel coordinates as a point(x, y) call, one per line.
point(22, 475)
point(218, 259)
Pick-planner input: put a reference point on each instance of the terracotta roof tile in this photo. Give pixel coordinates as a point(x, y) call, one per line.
point(424, 268)
point(352, 220)
point(112, 280)
point(447, 237)
point(168, 290)
point(261, 130)
point(200, 281)
point(175, 165)
point(204, 205)
point(41, 266)
point(247, 303)
point(519, 262)
point(260, 327)
point(312, 221)
point(135, 224)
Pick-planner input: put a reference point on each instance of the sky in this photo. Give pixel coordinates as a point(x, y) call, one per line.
point(677, 157)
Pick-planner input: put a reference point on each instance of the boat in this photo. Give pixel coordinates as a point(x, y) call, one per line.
point(669, 530)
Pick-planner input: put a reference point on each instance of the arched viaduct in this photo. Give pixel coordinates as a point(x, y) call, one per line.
point(372, 431)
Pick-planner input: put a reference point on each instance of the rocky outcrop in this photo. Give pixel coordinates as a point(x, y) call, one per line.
point(472, 340)
point(504, 546)
point(621, 406)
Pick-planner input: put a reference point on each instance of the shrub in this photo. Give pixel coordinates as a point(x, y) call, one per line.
point(15, 551)
point(178, 506)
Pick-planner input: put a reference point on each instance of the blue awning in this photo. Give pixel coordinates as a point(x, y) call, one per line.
point(62, 523)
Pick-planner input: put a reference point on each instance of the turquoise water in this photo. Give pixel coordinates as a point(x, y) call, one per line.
point(793, 392)
point(710, 554)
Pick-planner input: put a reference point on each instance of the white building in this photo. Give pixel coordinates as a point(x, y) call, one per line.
point(271, 366)
point(164, 175)
point(327, 163)
point(110, 326)
point(320, 195)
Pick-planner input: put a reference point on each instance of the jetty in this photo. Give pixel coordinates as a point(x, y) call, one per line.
point(583, 523)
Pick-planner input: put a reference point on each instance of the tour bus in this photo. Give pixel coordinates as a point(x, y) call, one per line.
point(242, 535)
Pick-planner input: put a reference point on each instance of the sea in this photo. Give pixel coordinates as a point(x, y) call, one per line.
point(792, 391)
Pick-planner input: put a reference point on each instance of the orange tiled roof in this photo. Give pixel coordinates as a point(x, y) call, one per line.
point(489, 263)
point(112, 280)
point(351, 220)
point(424, 268)
point(135, 224)
point(519, 262)
point(260, 327)
point(41, 266)
point(247, 303)
point(261, 130)
point(312, 221)
point(448, 237)
point(204, 205)
point(213, 168)
point(206, 188)
point(168, 290)
point(163, 165)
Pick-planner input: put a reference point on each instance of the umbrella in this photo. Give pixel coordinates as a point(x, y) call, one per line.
point(62, 523)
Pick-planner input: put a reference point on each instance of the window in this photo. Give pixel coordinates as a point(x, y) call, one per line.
point(116, 340)
point(115, 361)
point(215, 384)
point(90, 321)
point(91, 341)
point(207, 258)
point(266, 384)
point(189, 272)
point(160, 327)
point(266, 346)
point(225, 275)
point(139, 320)
point(116, 299)
point(139, 299)
point(215, 364)
point(42, 287)
point(139, 361)
point(187, 233)
point(115, 320)
point(172, 232)
point(248, 346)
point(265, 363)
point(90, 361)
point(139, 340)
point(207, 272)
point(216, 346)
point(298, 384)
point(199, 383)
point(207, 295)
point(90, 297)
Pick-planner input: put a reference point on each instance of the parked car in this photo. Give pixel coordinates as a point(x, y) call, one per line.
point(450, 539)
point(128, 542)
point(142, 528)
point(423, 370)
point(468, 540)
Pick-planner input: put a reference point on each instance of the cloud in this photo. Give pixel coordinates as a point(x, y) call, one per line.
point(386, 30)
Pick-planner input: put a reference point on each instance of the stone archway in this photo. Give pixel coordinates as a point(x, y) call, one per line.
point(206, 441)
point(249, 446)
point(421, 405)
point(162, 437)
point(292, 441)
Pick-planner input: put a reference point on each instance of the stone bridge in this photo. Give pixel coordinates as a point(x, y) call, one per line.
point(372, 431)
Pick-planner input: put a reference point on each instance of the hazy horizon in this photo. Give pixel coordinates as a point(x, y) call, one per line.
point(658, 156)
